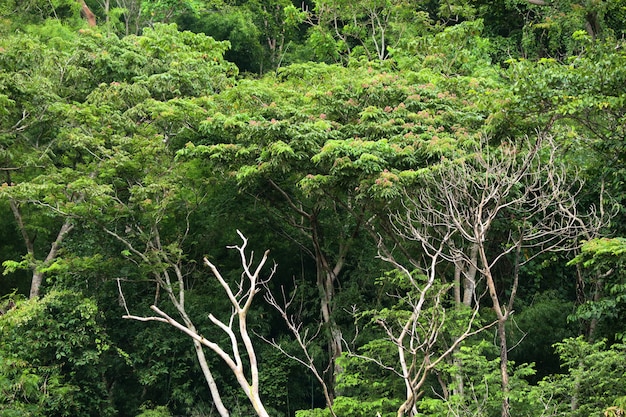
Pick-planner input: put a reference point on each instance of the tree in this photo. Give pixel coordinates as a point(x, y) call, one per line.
point(417, 330)
point(53, 359)
point(550, 28)
point(33, 173)
point(589, 386)
point(37, 11)
point(241, 302)
point(518, 193)
point(65, 121)
point(604, 307)
point(324, 160)
point(376, 26)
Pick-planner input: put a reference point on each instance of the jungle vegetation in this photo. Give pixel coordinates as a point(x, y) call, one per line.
point(312, 209)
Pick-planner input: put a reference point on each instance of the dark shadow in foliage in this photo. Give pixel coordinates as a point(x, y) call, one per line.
point(536, 328)
point(234, 26)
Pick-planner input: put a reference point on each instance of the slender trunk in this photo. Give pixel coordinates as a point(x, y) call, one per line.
point(458, 270)
point(52, 254)
point(502, 315)
point(469, 281)
point(504, 371)
point(35, 284)
point(208, 376)
point(179, 303)
point(407, 409)
point(468, 272)
point(89, 16)
point(38, 275)
point(576, 390)
point(458, 376)
point(326, 286)
point(597, 295)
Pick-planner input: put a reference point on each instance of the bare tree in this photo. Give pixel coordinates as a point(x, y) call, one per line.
point(513, 202)
point(304, 339)
point(170, 279)
point(417, 335)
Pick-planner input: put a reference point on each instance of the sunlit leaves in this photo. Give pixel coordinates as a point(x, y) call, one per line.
point(605, 258)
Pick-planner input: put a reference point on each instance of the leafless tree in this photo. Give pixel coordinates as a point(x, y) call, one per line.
point(417, 334)
point(312, 236)
point(170, 279)
point(303, 337)
point(514, 201)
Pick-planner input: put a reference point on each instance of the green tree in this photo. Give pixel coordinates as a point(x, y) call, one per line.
point(73, 107)
point(593, 381)
point(370, 28)
point(604, 307)
point(54, 357)
point(324, 160)
point(19, 13)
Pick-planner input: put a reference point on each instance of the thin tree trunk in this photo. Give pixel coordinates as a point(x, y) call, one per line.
point(326, 285)
point(504, 371)
point(38, 275)
point(502, 315)
point(52, 254)
point(465, 299)
point(458, 270)
point(89, 16)
point(469, 281)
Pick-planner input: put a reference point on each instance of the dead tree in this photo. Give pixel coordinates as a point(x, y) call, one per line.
point(456, 208)
point(304, 339)
point(170, 279)
point(417, 336)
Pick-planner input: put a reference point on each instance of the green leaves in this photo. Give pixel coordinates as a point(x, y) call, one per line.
point(594, 375)
point(603, 260)
point(51, 358)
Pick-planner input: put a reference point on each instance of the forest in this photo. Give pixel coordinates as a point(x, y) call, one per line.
point(318, 208)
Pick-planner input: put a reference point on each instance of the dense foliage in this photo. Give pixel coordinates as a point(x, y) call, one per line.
point(440, 185)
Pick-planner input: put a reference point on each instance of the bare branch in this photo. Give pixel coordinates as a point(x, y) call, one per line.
point(241, 303)
point(303, 339)
point(516, 184)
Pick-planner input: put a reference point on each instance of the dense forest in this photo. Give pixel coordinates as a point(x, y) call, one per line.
point(325, 208)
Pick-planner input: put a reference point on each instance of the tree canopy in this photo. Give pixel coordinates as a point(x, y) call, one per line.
point(436, 189)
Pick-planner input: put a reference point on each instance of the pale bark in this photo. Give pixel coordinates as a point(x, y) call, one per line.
point(303, 339)
point(241, 302)
point(415, 344)
point(328, 269)
point(38, 275)
point(467, 196)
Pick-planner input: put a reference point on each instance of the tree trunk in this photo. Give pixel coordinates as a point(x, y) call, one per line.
point(38, 275)
point(35, 284)
point(208, 376)
point(52, 254)
point(326, 285)
point(86, 12)
point(502, 315)
point(469, 280)
point(504, 370)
